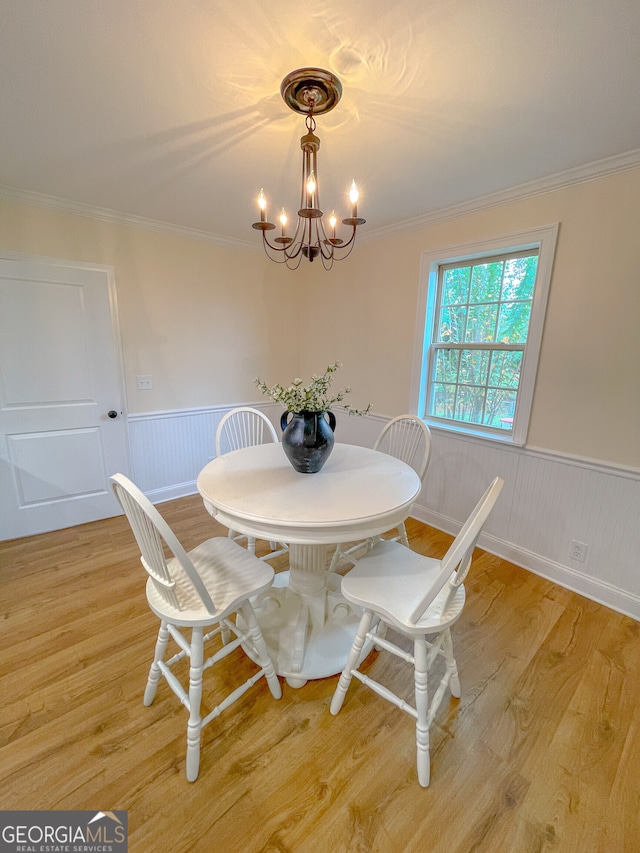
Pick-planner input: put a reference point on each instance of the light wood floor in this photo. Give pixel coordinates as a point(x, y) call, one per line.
point(542, 752)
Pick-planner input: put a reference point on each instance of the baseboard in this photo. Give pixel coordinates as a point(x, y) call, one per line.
point(604, 593)
point(170, 493)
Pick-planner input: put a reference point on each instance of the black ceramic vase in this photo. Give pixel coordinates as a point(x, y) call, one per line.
point(307, 439)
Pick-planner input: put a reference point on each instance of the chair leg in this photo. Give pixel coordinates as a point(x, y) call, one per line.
point(262, 653)
point(154, 671)
point(422, 708)
point(225, 632)
point(194, 727)
point(352, 661)
point(452, 667)
point(381, 631)
point(402, 534)
point(342, 553)
point(337, 555)
point(251, 544)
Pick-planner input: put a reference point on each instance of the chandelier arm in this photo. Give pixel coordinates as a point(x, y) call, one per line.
point(273, 248)
point(325, 251)
point(350, 241)
point(281, 253)
point(348, 246)
point(325, 238)
point(275, 258)
point(291, 244)
point(285, 258)
point(339, 253)
point(296, 240)
point(337, 249)
point(295, 266)
point(341, 250)
point(326, 247)
point(327, 263)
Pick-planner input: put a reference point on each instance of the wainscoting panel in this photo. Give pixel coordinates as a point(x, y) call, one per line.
point(548, 501)
point(169, 449)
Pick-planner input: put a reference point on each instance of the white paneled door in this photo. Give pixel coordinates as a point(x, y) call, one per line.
point(62, 428)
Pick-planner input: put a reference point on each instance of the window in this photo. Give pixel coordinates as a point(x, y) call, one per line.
point(483, 308)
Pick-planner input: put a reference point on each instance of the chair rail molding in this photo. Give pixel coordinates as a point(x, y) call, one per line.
point(549, 500)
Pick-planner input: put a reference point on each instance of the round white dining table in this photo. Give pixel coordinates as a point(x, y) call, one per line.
point(359, 493)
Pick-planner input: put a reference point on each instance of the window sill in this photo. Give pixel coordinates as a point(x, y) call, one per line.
point(501, 437)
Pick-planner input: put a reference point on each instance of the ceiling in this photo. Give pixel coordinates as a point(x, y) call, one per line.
point(170, 109)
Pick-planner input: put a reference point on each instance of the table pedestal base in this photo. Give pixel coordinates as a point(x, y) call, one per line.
point(308, 635)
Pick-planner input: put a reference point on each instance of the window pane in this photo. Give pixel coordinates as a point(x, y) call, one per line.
point(505, 369)
point(446, 369)
point(519, 278)
point(474, 365)
point(513, 323)
point(481, 323)
point(455, 286)
point(443, 400)
point(500, 408)
point(469, 404)
point(486, 281)
point(452, 325)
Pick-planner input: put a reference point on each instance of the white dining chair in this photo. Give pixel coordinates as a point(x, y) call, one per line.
point(408, 438)
point(418, 597)
point(241, 427)
point(202, 588)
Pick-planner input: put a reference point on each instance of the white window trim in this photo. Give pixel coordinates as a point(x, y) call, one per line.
point(544, 239)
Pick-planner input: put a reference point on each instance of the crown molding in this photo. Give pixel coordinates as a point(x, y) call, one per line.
point(80, 209)
point(559, 180)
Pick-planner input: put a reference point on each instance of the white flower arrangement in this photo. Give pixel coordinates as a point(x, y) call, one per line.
point(314, 397)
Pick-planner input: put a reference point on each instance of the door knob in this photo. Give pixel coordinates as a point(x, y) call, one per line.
point(112, 413)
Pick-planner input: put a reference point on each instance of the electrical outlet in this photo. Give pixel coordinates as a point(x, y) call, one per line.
point(578, 551)
point(145, 383)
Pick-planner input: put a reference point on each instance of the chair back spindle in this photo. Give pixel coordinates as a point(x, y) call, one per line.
point(247, 427)
point(150, 531)
point(456, 562)
point(243, 427)
point(407, 438)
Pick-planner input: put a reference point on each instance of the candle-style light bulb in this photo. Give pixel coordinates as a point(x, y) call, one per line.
point(283, 220)
point(311, 187)
point(262, 204)
point(353, 198)
point(333, 219)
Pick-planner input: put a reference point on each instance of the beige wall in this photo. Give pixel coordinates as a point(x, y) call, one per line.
point(203, 320)
point(587, 395)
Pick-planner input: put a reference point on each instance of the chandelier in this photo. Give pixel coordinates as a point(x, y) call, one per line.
point(311, 92)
